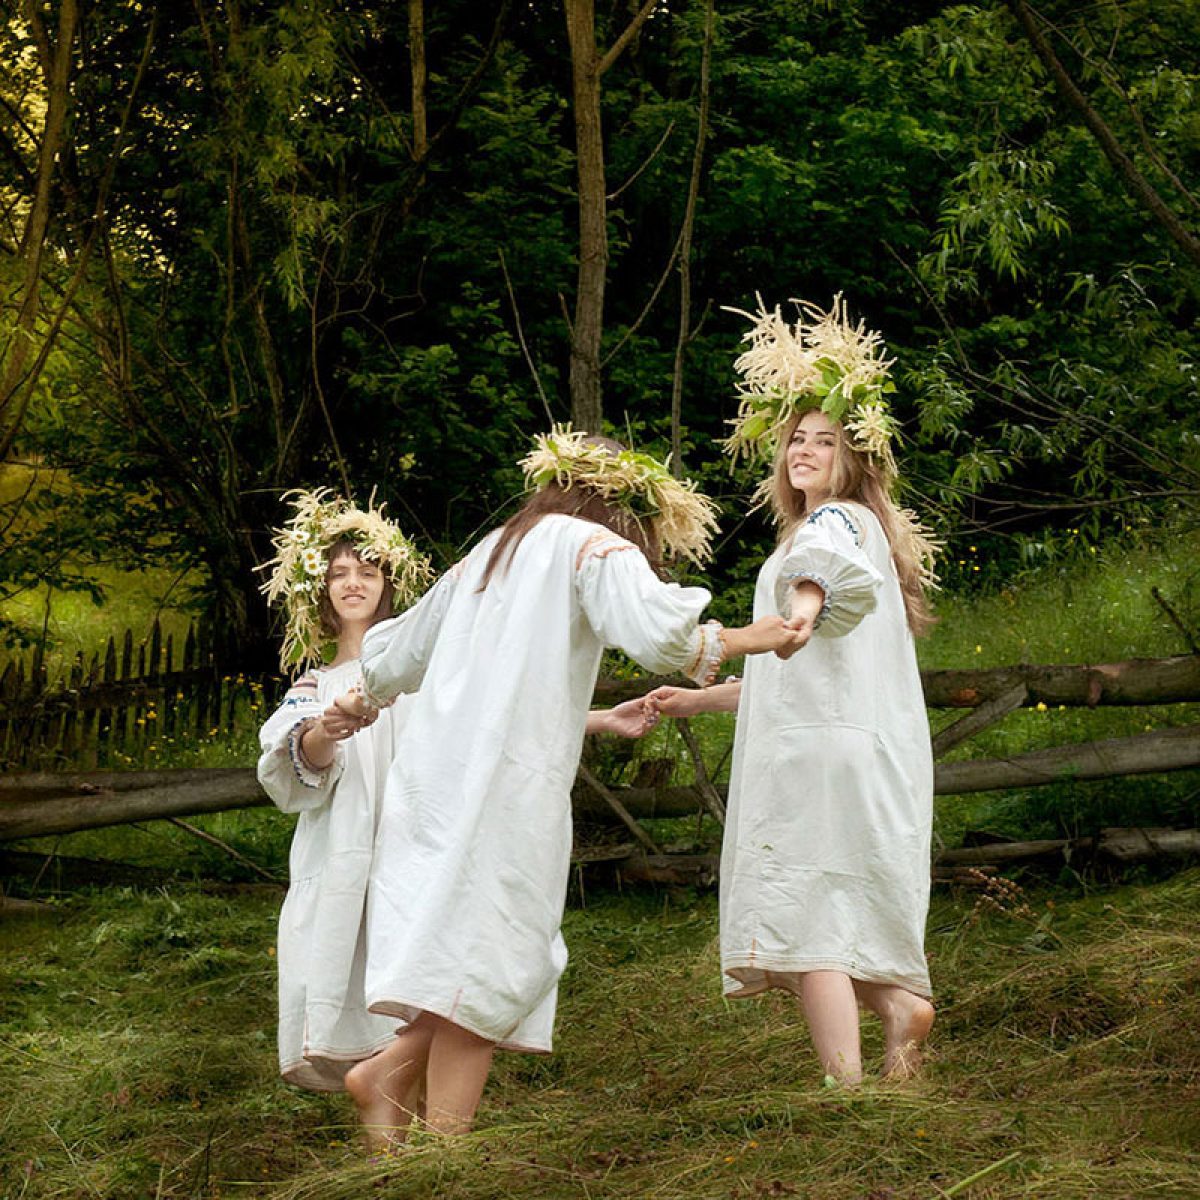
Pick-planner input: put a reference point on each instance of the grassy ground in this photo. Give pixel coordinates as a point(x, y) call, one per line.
point(137, 1027)
point(136, 1037)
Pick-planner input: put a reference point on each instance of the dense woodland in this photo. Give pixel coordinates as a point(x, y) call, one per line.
point(249, 245)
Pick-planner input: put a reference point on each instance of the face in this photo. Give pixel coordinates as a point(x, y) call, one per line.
point(810, 456)
point(355, 588)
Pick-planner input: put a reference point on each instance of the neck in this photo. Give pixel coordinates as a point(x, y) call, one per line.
point(349, 643)
point(813, 500)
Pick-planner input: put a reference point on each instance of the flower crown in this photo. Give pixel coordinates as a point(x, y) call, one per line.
point(297, 581)
point(682, 518)
point(823, 361)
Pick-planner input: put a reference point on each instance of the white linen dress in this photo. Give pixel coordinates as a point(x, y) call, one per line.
point(825, 863)
point(324, 1025)
point(472, 859)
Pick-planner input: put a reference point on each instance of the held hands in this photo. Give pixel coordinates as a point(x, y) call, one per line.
point(774, 633)
point(808, 598)
point(341, 720)
point(631, 719)
point(674, 701)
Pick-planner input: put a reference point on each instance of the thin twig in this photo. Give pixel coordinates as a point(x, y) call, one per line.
point(626, 818)
point(512, 299)
point(203, 835)
point(708, 793)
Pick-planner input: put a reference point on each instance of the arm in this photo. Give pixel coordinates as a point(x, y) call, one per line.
point(396, 652)
point(293, 781)
point(826, 582)
point(656, 623)
point(319, 741)
point(687, 702)
point(807, 604)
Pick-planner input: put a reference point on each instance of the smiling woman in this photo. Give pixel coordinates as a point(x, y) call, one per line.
point(338, 571)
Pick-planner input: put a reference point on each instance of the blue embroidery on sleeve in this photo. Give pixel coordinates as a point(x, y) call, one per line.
point(833, 509)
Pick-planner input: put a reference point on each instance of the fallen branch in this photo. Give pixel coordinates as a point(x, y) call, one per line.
point(1133, 681)
point(40, 805)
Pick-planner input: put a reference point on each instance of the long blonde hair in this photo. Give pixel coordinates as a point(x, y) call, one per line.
point(855, 476)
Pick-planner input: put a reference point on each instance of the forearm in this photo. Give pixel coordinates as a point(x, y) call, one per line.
point(721, 697)
point(599, 720)
point(318, 748)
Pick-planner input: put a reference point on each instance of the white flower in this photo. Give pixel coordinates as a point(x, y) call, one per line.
point(314, 562)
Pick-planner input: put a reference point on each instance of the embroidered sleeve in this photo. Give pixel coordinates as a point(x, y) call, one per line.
point(629, 607)
point(827, 549)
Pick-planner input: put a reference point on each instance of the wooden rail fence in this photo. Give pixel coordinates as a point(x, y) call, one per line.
point(136, 698)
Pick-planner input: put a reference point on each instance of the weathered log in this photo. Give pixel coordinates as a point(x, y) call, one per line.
point(979, 719)
point(1124, 846)
point(185, 795)
point(34, 805)
point(44, 785)
point(1143, 845)
point(1142, 754)
point(1133, 681)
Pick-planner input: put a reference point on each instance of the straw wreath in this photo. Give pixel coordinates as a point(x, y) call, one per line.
point(297, 581)
point(682, 518)
point(822, 361)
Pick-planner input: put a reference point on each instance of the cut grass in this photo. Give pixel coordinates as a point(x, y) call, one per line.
point(137, 1038)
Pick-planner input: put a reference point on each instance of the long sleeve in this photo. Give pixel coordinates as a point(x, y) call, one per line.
point(827, 549)
point(396, 652)
point(292, 785)
point(655, 623)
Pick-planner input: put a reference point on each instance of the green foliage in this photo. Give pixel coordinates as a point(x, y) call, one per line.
point(282, 293)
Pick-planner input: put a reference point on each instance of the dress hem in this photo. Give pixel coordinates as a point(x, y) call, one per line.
point(306, 1073)
point(409, 1011)
point(767, 973)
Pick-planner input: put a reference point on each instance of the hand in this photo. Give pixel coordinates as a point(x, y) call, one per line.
point(772, 633)
point(353, 705)
point(674, 701)
point(336, 724)
point(631, 719)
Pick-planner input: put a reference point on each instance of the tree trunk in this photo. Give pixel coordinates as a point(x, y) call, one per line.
point(16, 386)
point(685, 251)
point(416, 58)
point(588, 326)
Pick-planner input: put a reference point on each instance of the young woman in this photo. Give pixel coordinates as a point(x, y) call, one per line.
point(825, 865)
point(338, 570)
point(474, 846)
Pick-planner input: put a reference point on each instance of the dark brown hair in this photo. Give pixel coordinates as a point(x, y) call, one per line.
point(331, 624)
point(578, 500)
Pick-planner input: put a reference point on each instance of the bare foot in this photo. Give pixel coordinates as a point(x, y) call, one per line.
point(905, 1026)
point(385, 1089)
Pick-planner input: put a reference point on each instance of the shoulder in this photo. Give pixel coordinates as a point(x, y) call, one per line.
point(304, 687)
point(842, 516)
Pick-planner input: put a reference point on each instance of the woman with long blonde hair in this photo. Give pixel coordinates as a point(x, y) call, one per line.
point(825, 865)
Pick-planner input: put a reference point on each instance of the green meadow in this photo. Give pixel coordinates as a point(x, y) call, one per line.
point(137, 1021)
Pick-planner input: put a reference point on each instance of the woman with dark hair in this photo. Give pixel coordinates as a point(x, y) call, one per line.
point(825, 866)
point(474, 846)
point(338, 570)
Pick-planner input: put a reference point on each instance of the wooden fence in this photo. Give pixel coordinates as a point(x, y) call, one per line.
point(139, 698)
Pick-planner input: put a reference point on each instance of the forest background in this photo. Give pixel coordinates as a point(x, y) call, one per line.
point(249, 246)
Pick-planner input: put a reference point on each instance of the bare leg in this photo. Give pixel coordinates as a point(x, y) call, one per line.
point(386, 1088)
point(907, 1019)
point(831, 1009)
point(459, 1062)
